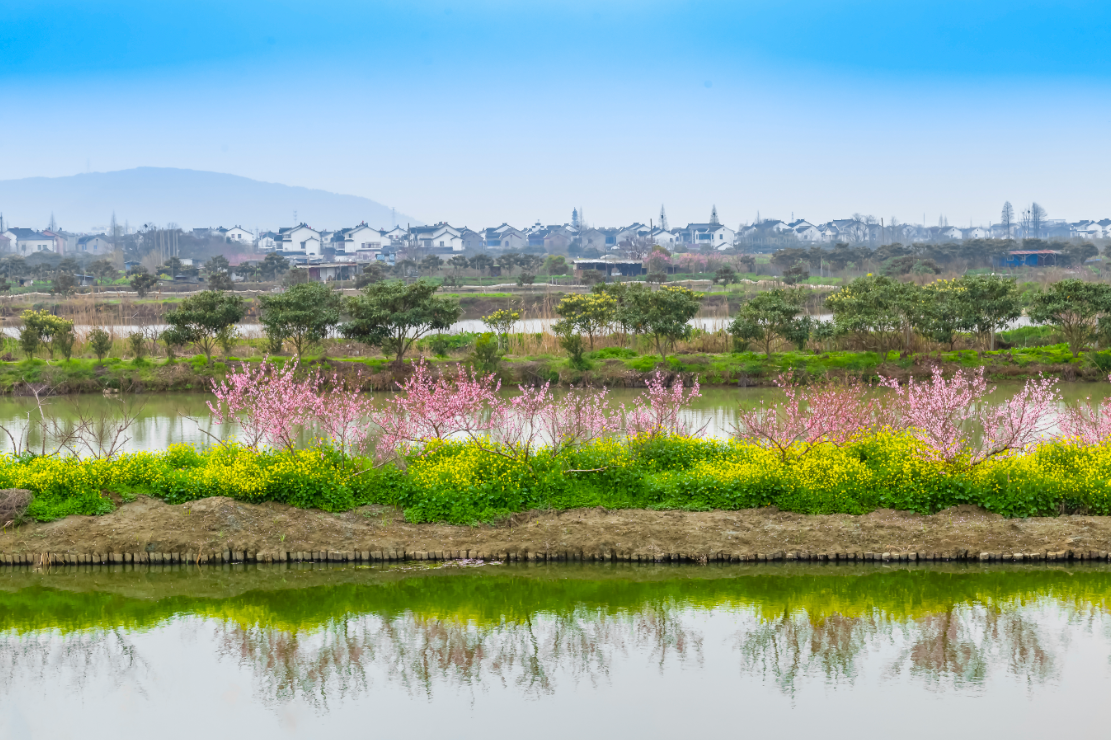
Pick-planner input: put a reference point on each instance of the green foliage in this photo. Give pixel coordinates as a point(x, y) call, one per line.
point(143, 283)
point(64, 340)
point(500, 322)
point(100, 342)
point(46, 326)
point(666, 314)
point(486, 355)
point(303, 315)
point(392, 315)
point(137, 342)
point(1076, 309)
point(987, 303)
point(462, 483)
point(200, 318)
point(29, 341)
point(768, 316)
point(273, 266)
point(725, 275)
point(590, 314)
point(575, 347)
point(878, 309)
point(64, 284)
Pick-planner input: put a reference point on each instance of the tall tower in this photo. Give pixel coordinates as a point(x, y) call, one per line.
point(663, 219)
point(714, 217)
point(574, 218)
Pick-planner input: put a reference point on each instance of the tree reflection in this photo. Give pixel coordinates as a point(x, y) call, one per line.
point(420, 653)
point(52, 658)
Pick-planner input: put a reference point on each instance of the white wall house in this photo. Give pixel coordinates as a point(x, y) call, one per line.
point(976, 232)
point(267, 240)
point(663, 238)
point(349, 241)
point(439, 236)
point(293, 238)
point(806, 231)
point(29, 241)
point(239, 235)
point(95, 244)
point(717, 236)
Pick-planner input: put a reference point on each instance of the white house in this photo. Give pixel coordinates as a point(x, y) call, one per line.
point(267, 240)
point(396, 235)
point(350, 241)
point(976, 232)
point(662, 237)
point(293, 238)
point(239, 235)
point(717, 236)
point(95, 244)
point(950, 232)
point(505, 237)
point(806, 231)
point(438, 236)
point(29, 241)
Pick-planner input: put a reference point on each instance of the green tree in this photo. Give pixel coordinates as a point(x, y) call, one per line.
point(392, 315)
point(1075, 308)
point(200, 318)
point(556, 264)
point(725, 275)
point(302, 315)
point(500, 322)
point(273, 266)
point(668, 311)
point(100, 342)
point(941, 312)
point(138, 344)
point(29, 341)
point(373, 272)
point(46, 326)
point(988, 303)
point(878, 309)
point(796, 273)
point(142, 283)
point(63, 341)
point(588, 314)
point(768, 316)
point(64, 283)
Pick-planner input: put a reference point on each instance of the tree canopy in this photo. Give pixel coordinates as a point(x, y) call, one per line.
point(392, 315)
point(770, 315)
point(302, 315)
point(199, 319)
point(1075, 308)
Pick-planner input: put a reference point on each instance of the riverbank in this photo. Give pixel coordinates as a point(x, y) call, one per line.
point(149, 530)
point(612, 367)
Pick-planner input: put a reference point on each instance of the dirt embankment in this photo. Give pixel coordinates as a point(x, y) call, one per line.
point(148, 530)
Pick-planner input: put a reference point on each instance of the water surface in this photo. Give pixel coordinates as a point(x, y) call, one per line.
point(555, 651)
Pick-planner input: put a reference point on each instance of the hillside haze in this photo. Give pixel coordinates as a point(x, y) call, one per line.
point(189, 198)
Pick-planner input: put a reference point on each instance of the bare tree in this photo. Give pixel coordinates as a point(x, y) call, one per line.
point(1007, 219)
point(1037, 219)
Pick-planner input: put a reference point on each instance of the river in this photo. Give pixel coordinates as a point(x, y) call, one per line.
point(555, 651)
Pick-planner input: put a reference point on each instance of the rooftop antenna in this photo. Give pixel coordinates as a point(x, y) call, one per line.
point(295, 221)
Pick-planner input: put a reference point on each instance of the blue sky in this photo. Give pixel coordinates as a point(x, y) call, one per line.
point(489, 111)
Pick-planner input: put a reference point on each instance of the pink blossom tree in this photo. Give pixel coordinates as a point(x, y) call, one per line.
point(270, 404)
point(660, 414)
point(833, 413)
point(1087, 423)
point(428, 408)
point(954, 420)
point(343, 413)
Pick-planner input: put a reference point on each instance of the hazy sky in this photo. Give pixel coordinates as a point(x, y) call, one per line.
point(484, 112)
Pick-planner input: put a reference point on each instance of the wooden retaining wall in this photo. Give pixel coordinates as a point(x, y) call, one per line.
point(380, 556)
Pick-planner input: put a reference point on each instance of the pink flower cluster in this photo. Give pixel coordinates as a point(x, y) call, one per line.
point(831, 412)
point(273, 406)
point(468, 406)
point(950, 415)
point(661, 412)
point(1086, 423)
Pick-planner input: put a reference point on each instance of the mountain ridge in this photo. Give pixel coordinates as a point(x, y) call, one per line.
point(189, 198)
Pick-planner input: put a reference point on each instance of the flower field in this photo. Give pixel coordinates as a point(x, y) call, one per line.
point(451, 449)
point(462, 482)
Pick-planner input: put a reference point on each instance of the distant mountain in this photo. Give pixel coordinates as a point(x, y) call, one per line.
point(189, 198)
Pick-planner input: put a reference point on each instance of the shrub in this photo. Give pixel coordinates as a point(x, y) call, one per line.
point(100, 343)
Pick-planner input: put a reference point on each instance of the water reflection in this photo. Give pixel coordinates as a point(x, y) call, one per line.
point(322, 635)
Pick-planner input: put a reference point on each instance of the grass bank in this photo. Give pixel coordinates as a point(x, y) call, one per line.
point(461, 483)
